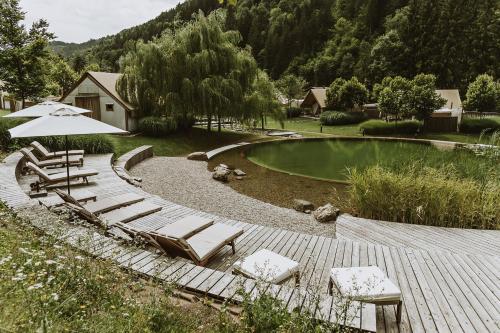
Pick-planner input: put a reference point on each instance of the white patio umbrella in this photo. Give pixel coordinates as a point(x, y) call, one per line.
point(63, 122)
point(44, 109)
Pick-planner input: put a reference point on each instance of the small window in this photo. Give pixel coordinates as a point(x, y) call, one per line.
point(110, 107)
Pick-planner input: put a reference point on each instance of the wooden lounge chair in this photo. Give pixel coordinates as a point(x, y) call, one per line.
point(76, 160)
point(108, 213)
point(46, 154)
point(195, 237)
point(366, 284)
point(268, 266)
point(53, 179)
point(103, 205)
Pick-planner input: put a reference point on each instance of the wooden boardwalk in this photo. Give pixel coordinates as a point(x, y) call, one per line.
point(449, 278)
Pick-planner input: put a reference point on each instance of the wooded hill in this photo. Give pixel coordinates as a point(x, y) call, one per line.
point(323, 39)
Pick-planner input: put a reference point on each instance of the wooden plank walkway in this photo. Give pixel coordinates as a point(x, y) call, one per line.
point(446, 287)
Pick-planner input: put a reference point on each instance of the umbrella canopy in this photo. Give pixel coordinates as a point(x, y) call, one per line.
point(63, 122)
point(43, 109)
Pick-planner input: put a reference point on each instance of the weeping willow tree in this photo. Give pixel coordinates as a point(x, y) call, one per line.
point(197, 69)
point(262, 101)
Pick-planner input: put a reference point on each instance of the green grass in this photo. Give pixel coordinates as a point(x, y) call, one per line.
point(4, 112)
point(311, 127)
point(182, 143)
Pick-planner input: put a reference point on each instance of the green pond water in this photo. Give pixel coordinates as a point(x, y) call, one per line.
point(331, 159)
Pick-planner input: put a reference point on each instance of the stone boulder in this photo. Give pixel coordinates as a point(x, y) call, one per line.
point(198, 156)
point(302, 205)
point(326, 213)
point(221, 173)
point(239, 173)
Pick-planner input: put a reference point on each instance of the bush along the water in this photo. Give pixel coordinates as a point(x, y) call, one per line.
point(161, 126)
point(380, 127)
point(293, 112)
point(6, 143)
point(428, 196)
point(478, 125)
point(332, 118)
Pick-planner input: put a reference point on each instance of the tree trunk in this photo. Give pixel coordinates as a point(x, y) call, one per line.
point(218, 124)
point(262, 121)
point(23, 99)
point(209, 123)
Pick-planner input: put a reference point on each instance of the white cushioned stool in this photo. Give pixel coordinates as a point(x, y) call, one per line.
point(366, 284)
point(269, 266)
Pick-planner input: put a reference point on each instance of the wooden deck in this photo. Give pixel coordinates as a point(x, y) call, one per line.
point(449, 277)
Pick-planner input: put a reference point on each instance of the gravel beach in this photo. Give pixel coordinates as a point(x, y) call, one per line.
point(189, 183)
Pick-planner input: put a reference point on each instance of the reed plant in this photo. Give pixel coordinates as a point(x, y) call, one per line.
point(428, 196)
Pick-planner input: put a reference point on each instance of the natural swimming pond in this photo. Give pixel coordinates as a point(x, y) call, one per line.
point(331, 158)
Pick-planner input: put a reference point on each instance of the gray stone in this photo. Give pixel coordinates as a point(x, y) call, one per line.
point(221, 169)
point(222, 165)
point(326, 213)
point(302, 205)
point(308, 211)
point(198, 156)
point(239, 172)
point(238, 178)
point(220, 175)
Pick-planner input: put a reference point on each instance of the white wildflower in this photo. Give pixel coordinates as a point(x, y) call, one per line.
point(79, 258)
point(55, 296)
point(50, 262)
point(19, 277)
point(37, 263)
point(57, 246)
point(23, 250)
point(35, 286)
point(28, 262)
point(61, 257)
point(50, 278)
point(6, 259)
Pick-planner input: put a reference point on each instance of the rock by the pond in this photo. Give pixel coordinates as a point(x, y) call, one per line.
point(220, 174)
point(222, 165)
point(239, 173)
point(222, 169)
point(198, 156)
point(308, 211)
point(238, 178)
point(302, 205)
point(326, 213)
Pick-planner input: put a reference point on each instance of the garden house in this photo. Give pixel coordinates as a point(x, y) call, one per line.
point(96, 91)
point(315, 100)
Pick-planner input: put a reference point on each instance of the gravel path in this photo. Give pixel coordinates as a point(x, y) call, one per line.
point(189, 183)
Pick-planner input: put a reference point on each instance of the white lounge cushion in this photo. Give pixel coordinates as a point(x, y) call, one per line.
point(268, 266)
point(184, 227)
point(365, 283)
point(212, 238)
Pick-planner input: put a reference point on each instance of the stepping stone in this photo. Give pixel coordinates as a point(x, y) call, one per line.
point(239, 173)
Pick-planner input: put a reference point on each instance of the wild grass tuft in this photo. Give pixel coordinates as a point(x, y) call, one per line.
point(427, 196)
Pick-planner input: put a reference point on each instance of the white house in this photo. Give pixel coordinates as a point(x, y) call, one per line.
point(96, 91)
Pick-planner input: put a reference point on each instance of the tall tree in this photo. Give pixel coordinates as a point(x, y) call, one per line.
point(483, 94)
point(197, 70)
point(262, 102)
point(423, 99)
point(291, 86)
point(22, 53)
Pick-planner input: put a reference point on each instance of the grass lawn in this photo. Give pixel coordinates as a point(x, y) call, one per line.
point(4, 112)
point(311, 127)
point(180, 144)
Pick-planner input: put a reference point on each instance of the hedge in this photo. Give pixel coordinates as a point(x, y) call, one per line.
point(331, 118)
point(478, 125)
point(293, 112)
point(380, 127)
point(92, 144)
point(161, 126)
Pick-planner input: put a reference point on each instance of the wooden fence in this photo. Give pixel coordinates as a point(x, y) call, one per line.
point(441, 124)
point(475, 114)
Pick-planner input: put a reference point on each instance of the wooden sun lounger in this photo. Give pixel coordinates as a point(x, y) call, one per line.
point(53, 162)
point(46, 154)
point(103, 205)
point(46, 179)
point(126, 212)
point(196, 237)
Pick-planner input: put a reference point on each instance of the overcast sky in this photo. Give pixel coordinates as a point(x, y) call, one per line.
point(80, 20)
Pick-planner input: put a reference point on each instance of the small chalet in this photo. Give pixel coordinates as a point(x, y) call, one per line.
point(315, 100)
point(96, 91)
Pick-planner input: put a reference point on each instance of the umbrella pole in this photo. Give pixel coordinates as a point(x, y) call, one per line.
point(67, 161)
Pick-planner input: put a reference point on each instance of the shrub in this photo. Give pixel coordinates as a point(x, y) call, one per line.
point(478, 125)
point(161, 126)
point(431, 197)
point(92, 144)
point(380, 127)
point(331, 118)
point(293, 112)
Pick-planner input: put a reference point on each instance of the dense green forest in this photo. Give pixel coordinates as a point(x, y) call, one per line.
point(321, 40)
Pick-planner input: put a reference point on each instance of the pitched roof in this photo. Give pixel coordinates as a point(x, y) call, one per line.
point(107, 82)
point(315, 95)
point(452, 97)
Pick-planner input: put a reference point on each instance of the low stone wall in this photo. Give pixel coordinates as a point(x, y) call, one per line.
point(133, 157)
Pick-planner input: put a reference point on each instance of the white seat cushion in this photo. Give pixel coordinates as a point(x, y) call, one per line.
point(365, 283)
point(184, 227)
point(267, 265)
